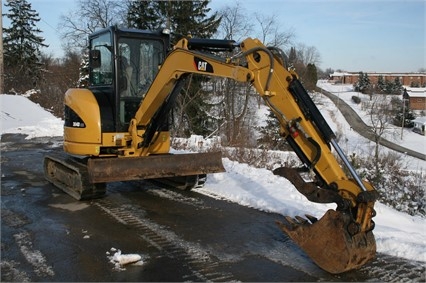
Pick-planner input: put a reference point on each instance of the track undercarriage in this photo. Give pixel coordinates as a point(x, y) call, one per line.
point(70, 175)
point(86, 178)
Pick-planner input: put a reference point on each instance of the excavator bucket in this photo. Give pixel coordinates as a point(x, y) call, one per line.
point(328, 243)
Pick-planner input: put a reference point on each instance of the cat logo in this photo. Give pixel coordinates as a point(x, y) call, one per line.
point(202, 65)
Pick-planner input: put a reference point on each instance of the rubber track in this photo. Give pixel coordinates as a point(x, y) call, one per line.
point(77, 183)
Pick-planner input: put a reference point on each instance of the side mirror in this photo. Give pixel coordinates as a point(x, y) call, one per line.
point(95, 58)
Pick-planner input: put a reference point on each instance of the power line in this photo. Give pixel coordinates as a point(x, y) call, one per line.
point(49, 25)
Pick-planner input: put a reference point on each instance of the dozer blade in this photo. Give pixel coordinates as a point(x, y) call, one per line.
point(153, 167)
point(328, 243)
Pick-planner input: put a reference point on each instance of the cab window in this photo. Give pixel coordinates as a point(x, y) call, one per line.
point(102, 71)
point(138, 62)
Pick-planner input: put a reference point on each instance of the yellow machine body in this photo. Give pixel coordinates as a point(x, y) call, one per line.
point(89, 140)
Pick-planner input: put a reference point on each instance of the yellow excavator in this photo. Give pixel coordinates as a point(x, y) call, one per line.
point(118, 129)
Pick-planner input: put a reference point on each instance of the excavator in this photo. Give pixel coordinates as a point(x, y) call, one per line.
point(118, 129)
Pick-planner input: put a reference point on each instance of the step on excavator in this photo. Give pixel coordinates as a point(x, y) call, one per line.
point(117, 129)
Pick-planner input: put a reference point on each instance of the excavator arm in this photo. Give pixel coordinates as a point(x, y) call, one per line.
point(342, 239)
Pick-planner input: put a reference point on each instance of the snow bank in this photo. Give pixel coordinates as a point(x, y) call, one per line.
point(19, 115)
point(396, 233)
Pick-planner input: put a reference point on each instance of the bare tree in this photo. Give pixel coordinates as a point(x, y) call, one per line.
point(59, 75)
point(308, 54)
point(380, 116)
point(89, 16)
point(301, 56)
point(270, 32)
point(233, 96)
point(236, 99)
point(234, 24)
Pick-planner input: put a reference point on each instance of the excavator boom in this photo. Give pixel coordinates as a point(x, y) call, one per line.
point(136, 145)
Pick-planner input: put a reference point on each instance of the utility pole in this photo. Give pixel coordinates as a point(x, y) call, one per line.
point(1, 51)
point(403, 112)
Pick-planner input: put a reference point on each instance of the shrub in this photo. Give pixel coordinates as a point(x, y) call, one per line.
point(356, 99)
point(398, 187)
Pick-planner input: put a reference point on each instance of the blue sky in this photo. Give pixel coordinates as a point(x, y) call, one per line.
point(353, 35)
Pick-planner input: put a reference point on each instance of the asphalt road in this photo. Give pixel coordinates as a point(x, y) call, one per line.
point(363, 129)
point(181, 236)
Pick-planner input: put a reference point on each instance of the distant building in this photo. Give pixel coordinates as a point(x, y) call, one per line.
point(416, 97)
point(405, 78)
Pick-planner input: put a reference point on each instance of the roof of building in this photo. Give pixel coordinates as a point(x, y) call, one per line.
point(416, 91)
point(340, 74)
point(420, 120)
point(344, 73)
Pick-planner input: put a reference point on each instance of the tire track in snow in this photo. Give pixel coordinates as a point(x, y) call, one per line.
point(34, 257)
point(11, 273)
point(387, 268)
point(201, 265)
point(176, 196)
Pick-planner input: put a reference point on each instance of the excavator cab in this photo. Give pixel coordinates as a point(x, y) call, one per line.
point(123, 64)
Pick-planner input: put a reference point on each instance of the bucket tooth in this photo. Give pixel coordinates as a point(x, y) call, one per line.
point(311, 218)
point(301, 220)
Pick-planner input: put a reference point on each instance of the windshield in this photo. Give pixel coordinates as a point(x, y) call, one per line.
point(138, 63)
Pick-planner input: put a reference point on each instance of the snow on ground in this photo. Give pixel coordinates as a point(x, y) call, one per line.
point(397, 233)
point(345, 92)
point(119, 260)
point(21, 116)
point(352, 142)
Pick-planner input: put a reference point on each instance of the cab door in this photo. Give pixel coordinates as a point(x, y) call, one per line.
point(138, 62)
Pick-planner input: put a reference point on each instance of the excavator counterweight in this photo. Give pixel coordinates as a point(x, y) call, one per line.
point(118, 129)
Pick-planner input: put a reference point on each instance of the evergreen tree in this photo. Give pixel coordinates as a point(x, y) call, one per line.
point(292, 57)
point(183, 18)
point(144, 15)
point(270, 137)
point(403, 111)
point(311, 77)
point(22, 45)
point(394, 87)
point(366, 82)
point(388, 87)
point(397, 86)
point(381, 84)
point(363, 84)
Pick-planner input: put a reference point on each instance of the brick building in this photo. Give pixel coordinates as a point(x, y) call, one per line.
point(405, 78)
point(416, 97)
